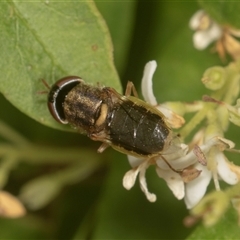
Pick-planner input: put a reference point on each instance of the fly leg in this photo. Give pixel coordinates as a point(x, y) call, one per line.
point(170, 166)
point(187, 174)
point(100, 137)
point(130, 89)
point(102, 147)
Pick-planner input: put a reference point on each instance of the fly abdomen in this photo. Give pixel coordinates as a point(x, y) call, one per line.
point(137, 129)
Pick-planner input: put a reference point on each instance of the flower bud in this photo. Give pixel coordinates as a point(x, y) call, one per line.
point(212, 207)
point(39, 192)
point(214, 78)
point(10, 206)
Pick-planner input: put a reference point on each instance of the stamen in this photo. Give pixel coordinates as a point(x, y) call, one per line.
point(215, 180)
point(200, 155)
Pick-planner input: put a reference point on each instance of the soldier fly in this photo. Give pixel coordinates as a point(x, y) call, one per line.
point(123, 122)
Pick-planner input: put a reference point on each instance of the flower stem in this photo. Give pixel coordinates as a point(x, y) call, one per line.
point(36, 154)
point(197, 118)
point(11, 135)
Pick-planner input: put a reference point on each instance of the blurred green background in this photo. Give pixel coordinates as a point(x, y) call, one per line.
point(99, 207)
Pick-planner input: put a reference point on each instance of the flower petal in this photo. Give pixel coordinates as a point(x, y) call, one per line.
point(229, 144)
point(202, 39)
point(196, 189)
point(215, 31)
point(147, 90)
point(134, 161)
point(143, 184)
point(234, 168)
point(174, 182)
point(177, 163)
point(175, 120)
point(234, 32)
point(129, 178)
point(224, 171)
point(196, 19)
point(190, 158)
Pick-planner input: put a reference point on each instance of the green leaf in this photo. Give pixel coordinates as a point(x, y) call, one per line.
point(225, 229)
point(225, 12)
point(41, 40)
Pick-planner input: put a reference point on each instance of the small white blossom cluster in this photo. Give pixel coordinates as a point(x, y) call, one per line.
point(208, 31)
point(183, 157)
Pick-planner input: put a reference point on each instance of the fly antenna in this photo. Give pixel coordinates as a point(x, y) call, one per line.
point(46, 85)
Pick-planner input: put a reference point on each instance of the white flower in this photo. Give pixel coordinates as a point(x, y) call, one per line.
point(207, 31)
point(193, 185)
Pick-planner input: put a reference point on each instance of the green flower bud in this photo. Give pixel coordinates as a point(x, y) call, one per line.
point(39, 192)
point(214, 78)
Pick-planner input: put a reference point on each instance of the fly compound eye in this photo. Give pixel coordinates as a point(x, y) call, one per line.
point(57, 94)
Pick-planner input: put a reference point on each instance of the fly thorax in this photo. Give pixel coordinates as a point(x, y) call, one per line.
point(84, 108)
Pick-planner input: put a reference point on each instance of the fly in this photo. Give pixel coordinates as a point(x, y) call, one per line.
point(123, 122)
